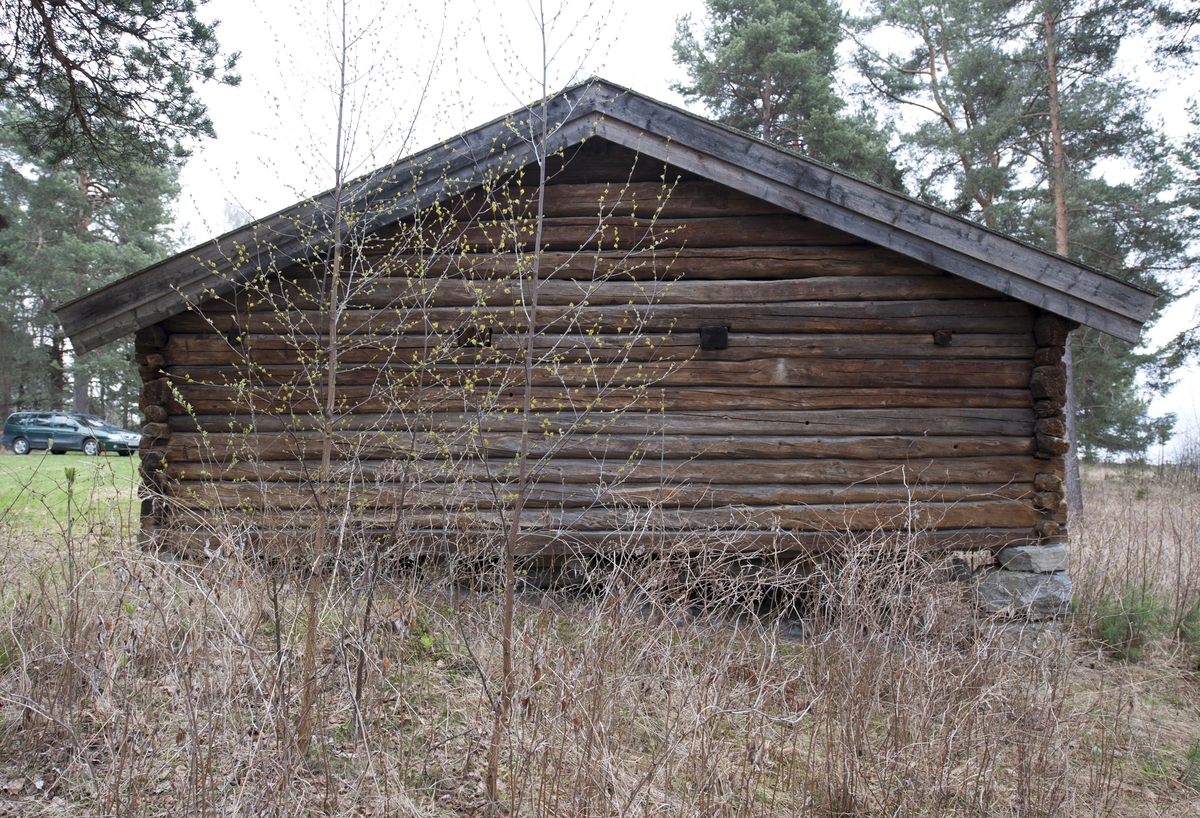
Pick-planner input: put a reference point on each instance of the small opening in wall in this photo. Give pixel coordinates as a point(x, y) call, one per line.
point(474, 336)
point(715, 337)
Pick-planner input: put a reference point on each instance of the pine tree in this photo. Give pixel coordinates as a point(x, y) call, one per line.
point(98, 81)
point(1026, 109)
point(766, 67)
point(967, 153)
point(65, 230)
point(1188, 343)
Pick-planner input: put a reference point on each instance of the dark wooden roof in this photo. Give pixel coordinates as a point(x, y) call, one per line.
point(655, 129)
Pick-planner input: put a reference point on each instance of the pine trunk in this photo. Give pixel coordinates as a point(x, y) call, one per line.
point(80, 388)
point(1058, 181)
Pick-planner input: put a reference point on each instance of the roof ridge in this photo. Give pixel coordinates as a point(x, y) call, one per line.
point(861, 207)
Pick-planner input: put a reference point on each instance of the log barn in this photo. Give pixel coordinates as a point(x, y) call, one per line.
point(728, 337)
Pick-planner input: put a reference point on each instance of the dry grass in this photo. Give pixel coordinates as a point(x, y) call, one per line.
point(648, 688)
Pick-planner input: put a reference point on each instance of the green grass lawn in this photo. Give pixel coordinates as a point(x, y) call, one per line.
point(33, 491)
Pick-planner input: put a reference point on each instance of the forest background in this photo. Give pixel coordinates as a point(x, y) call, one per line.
point(70, 223)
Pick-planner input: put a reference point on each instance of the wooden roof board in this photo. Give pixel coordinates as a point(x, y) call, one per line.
point(1026, 288)
point(604, 109)
point(212, 268)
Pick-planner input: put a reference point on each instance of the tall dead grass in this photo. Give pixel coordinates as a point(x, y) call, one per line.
point(1136, 560)
point(714, 686)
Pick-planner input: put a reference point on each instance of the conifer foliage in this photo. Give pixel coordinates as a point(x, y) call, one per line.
point(98, 110)
point(766, 67)
point(1029, 115)
point(66, 229)
point(92, 78)
point(1014, 114)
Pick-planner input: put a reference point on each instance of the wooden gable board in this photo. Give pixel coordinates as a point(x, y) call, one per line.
point(212, 269)
point(599, 108)
point(1084, 301)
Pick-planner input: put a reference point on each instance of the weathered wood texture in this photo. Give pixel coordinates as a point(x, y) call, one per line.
point(860, 392)
point(601, 181)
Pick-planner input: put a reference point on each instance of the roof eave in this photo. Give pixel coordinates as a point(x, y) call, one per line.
point(874, 214)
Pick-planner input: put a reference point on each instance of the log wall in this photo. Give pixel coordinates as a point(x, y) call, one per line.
point(858, 391)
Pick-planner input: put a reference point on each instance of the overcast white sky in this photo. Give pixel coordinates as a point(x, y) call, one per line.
point(428, 70)
point(468, 58)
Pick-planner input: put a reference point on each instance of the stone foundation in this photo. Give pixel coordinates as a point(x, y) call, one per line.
point(1029, 582)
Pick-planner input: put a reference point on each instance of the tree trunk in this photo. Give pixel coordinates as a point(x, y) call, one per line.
point(6, 379)
point(80, 388)
point(504, 704)
point(79, 375)
point(1058, 189)
point(324, 493)
point(58, 381)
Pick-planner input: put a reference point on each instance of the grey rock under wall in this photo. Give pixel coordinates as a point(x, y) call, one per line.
point(1028, 594)
point(1040, 559)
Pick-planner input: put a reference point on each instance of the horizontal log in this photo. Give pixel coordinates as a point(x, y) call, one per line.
point(150, 462)
point(374, 400)
point(596, 160)
point(610, 233)
point(1048, 356)
point(1048, 382)
point(688, 263)
point(152, 337)
point(937, 422)
point(873, 516)
point(795, 372)
point(389, 499)
point(197, 495)
point(686, 199)
point(200, 448)
point(1051, 331)
point(1048, 482)
point(1052, 445)
point(901, 515)
point(925, 316)
point(566, 543)
point(379, 292)
point(1054, 427)
point(1048, 530)
point(155, 414)
point(1049, 407)
point(201, 542)
point(211, 349)
point(591, 471)
point(155, 432)
point(155, 393)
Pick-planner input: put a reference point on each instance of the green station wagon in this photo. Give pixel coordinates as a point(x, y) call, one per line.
point(62, 432)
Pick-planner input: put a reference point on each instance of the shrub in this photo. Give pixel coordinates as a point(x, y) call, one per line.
point(1128, 618)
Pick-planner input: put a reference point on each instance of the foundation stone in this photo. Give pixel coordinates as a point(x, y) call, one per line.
point(1027, 594)
point(1039, 559)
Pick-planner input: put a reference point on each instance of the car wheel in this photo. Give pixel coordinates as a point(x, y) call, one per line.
point(20, 446)
point(124, 452)
point(91, 447)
